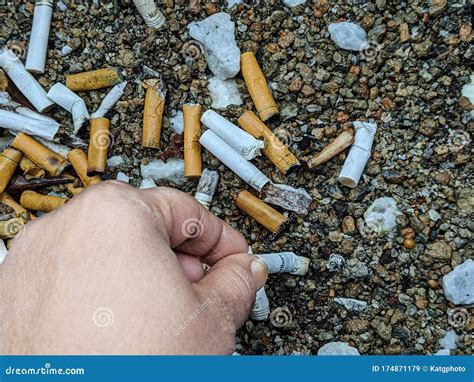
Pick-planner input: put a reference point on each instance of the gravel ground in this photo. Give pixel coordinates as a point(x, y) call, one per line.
point(409, 82)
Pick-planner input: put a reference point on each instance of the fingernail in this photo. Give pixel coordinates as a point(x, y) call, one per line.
point(259, 272)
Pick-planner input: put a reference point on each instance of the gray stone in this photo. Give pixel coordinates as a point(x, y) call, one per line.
point(337, 348)
point(348, 36)
point(458, 284)
point(351, 304)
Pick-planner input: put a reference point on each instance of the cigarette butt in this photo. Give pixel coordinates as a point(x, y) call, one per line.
point(19, 210)
point(73, 190)
point(33, 200)
point(53, 163)
point(274, 149)
point(192, 147)
point(260, 211)
point(31, 170)
point(153, 114)
point(343, 141)
point(257, 87)
point(98, 145)
point(6, 85)
point(93, 80)
point(10, 228)
point(78, 159)
point(9, 160)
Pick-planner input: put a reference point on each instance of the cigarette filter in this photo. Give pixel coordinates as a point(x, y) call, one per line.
point(207, 187)
point(21, 123)
point(343, 141)
point(10, 228)
point(260, 211)
point(192, 147)
point(274, 149)
point(257, 87)
point(242, 142)
point(70, 101)
point(33, 200)
point(110, 100)
point(24, 81)
point(285, 262)
point(239, 165)
point(31, 170)
point(19, 210)
point(53, 163)
point(9, 160)
point(153, 113)
point(93, 80)
point(261, 309)
point(98, 145)
point(73, 190)
point(359, 154)
point(55, 147)
point(36, 58)
point(78, 159)
point(150, 13)
point(3, 251)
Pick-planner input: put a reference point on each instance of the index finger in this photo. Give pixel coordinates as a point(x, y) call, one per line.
point(191, 228)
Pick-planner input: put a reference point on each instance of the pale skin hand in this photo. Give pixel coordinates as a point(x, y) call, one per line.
point(115, 271)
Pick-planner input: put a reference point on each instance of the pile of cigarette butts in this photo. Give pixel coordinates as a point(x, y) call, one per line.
point(38, 148)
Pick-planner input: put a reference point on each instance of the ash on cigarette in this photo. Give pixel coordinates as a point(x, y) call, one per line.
point(409, 81)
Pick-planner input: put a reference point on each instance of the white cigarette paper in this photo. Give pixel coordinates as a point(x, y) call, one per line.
point(239, 165)
point(20, 123)
point(110, 100)
point(71, 102)
point(171, 170)
point(261, 309)
point(207, 187)
point(24, 81)
point(150, 13)
point(38, 46)
point(359, 154)
point(122, 177)
point(3, 251)
point(285, 262)
point(147, 183)
point(241, 141)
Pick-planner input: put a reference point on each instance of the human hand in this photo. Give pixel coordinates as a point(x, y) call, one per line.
point(118, 271)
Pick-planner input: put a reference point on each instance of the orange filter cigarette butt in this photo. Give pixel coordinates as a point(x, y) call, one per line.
point(31, 170)
point(10, 228)
point(78, 159)
point(93, 80)
point(20, 211)
point(9, 160)
point(33, 200)
point(260, 211)
point(53, 163)
point(153, 113)
point(98, 145)
point(274, 149)
point(258, 87)
point(74, 190)
point(192, 147)
point(343, 141)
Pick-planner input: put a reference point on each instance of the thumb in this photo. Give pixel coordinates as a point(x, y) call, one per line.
point(233, 282)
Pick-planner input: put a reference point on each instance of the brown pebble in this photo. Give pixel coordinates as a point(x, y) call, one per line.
point(348, 224)
point(404, 32)
point(408, 233)
point(409, 243)
point(433, 284)
point(465, 33)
